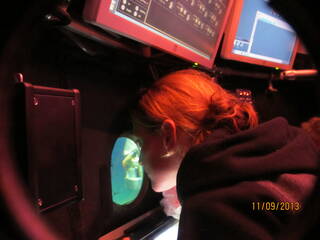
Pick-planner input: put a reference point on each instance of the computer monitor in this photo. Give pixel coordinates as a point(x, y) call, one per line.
point(257, 34)
point(190, 29)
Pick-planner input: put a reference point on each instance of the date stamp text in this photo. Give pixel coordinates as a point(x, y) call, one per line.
point(276, 206)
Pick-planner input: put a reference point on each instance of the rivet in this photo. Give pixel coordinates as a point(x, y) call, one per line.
point(35, 101)
point(40, 202)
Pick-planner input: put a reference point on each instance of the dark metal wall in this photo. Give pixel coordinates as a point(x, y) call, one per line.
point(106, 82)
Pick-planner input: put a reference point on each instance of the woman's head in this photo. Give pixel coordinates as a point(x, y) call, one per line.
point(179, 111)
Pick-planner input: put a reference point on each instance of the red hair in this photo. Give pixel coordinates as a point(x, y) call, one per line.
point(195, 103)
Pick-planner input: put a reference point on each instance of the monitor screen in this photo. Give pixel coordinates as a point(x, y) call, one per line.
point(257, 34)
point(170, 233)
point(190, 29)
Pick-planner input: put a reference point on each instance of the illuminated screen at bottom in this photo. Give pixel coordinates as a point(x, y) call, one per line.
point(126, 171)
point(169, 234)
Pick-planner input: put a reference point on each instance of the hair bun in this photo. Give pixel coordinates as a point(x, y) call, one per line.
point(227, 112)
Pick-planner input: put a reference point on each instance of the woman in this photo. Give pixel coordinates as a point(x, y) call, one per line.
point(234, 179)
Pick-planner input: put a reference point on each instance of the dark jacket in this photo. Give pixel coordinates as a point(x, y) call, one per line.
point(260, 183)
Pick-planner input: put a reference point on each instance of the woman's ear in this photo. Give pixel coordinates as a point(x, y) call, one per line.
point(169, 134)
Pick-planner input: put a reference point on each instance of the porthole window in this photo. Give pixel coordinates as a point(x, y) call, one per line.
point(126, 171)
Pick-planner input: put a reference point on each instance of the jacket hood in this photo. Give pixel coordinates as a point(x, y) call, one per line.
point(264, 152)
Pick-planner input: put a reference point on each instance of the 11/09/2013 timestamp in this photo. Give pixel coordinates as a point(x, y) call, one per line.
point(276, 206)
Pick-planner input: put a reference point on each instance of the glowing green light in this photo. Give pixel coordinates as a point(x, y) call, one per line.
point(195, 64)
point(277, 68)
point(126, 171)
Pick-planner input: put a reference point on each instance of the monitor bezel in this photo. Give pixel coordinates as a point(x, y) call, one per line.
point(97, 12)
point(230, 35)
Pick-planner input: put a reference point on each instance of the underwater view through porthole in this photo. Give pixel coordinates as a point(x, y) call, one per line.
point(126, 171)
